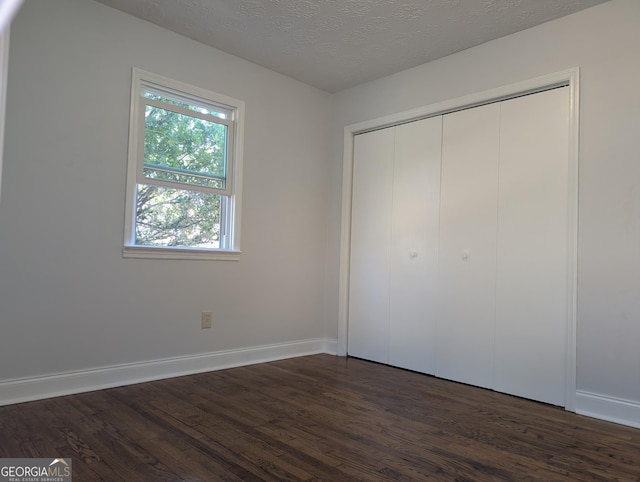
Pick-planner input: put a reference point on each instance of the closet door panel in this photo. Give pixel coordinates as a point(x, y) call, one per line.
point(532, 264)
point(467, 263)
point(414, 244)
point(368, 335)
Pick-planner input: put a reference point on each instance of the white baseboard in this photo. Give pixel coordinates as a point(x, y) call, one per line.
point(330, 347)
point(37, 388)
point(625, 412)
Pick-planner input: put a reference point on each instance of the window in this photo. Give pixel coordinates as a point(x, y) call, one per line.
point(183, 179)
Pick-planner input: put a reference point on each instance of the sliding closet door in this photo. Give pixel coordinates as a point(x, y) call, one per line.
point(533, 237)
point(372, 199)
point(467, 262)
point(414, 244)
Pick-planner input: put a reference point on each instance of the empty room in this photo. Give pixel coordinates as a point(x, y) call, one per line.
point(320, 240)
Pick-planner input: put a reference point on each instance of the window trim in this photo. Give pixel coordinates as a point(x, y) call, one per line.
point(230, 218)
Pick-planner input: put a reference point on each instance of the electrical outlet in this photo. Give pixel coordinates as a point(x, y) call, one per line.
point(206, 319)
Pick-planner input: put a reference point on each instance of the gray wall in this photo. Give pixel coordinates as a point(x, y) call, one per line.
point(68, 300)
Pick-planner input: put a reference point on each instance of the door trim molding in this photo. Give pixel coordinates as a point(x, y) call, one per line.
point(4, 66)
point(570, 78)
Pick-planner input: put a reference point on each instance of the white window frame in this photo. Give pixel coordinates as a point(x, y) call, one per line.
point(230, 194)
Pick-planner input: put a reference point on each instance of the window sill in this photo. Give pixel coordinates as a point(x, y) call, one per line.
point(152, 252)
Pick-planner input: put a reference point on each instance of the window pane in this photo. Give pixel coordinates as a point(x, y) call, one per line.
point(184, 149)
point(176, 217)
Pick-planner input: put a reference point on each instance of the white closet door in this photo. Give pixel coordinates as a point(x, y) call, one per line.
point(467, 263)
point(368, 335)
point(414, 244)
point(532, 264)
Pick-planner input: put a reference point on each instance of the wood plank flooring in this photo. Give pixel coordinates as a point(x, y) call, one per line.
point(316, 418)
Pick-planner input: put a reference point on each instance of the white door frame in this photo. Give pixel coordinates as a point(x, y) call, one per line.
point(8, 9)
point(4, 63)
point(570, 78)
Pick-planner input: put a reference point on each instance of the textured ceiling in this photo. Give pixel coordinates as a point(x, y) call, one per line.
point(336, 44)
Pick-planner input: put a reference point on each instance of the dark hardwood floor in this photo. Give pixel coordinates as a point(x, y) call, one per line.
point(316, 418)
